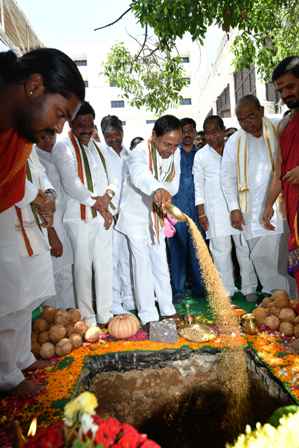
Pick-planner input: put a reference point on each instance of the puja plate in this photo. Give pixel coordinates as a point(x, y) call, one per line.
point(197, 333)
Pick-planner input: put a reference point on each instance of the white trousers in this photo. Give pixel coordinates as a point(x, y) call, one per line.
point(221, 248)
point(92, 246)
point(123, 299)
point(64, 285)
point(151, 279)
point(269, 255)
point(15, 347)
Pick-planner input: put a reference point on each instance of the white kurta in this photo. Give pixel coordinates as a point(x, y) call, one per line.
point(150, 269)
point(63, 272)
point(259, 177)
point(91, 242)
point(267, 247)
point(123, 299)
point(208, 192)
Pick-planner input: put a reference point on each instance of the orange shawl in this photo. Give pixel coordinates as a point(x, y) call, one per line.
point(14, 152)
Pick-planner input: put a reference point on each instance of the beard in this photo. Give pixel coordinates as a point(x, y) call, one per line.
point(23, 124)
point(292, 103)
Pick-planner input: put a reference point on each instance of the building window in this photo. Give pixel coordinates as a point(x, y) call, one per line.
point(150, 121)
point(185, 101)
point(271, 93)
point(245, 83)
point(188, 81)
point(86, 83)
point(223, 103)
point(80, 62)
point(117, 103)
point(185, 59)
point(112, 84)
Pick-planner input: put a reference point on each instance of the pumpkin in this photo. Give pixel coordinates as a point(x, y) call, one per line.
point(76, 340)
point(92, 334)
point(123, 326)
point(40, 325)
point(56, 333)
point(47, 350)
point(63, 347)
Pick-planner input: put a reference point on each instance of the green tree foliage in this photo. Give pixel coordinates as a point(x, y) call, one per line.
point(268, 31)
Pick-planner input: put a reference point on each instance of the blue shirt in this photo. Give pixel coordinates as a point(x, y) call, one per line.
point(185, 197)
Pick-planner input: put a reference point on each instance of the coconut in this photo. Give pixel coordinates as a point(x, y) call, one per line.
point(34, 336)
point(92, 334)
point(296, 331)
point(63, 347)
point(286, 328)
point(80, 327)
point(47, 350)
point(287, 314)
point(296, 320)
point(260, 314)
point(272, 322)
point(76, 340)
point(49, 314)
point(74, 315)
point(43, 337)
point(62, 317)
point(69, 330)
point(267, 302)
point(56, 333)
point(35, 348)
point(275, 311)
point(40, 325)
point(281, 298)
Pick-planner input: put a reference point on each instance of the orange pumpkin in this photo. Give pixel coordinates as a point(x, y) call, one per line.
point(123, 326)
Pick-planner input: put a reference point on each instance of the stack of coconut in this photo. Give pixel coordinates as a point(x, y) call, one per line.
point(278, 313)
point(58, 332)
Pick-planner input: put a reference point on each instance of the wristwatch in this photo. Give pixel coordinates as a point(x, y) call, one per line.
point(51, 192)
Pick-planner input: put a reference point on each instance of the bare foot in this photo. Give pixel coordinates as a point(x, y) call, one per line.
point(40, 364)
point(27, 389)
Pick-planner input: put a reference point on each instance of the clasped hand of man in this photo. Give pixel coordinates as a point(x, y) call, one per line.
point(44, 204)
point(101, 206)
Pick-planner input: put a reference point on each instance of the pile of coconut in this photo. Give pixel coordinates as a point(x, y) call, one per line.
point(58, 332)
point(278, 313)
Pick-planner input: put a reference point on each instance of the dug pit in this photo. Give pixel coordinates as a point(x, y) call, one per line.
point(177, 396)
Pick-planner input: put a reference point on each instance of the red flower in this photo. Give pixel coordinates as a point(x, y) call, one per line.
point(129, 437)
point(149, 444)
point(51, 437)
point(107, 431)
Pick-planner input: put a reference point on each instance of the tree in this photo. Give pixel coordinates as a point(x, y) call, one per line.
point(154, 77)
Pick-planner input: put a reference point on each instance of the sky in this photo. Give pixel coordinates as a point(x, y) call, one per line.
point(61, 22)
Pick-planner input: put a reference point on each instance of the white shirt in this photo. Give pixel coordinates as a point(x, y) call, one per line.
point(46, 159)
point(77, 193)
point(259, 177)
point(116, 163)
point(208, 192)
point(138, 187)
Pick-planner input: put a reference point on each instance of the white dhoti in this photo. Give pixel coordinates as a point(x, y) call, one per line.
point(123, 299)
point(151, 279)
point(221, 249)
point(269, 257)
point(92, 246)
point(64, 285)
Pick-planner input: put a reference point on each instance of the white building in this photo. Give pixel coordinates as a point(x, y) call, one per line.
point(107, 99)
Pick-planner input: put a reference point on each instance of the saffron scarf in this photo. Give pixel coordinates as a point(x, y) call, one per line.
point(270, 137)
point(168, 176)
point(14, 152)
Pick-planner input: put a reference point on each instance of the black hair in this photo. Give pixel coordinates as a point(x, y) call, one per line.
point(287, 65)
point(166, 124)
point(249, 99)
point(85, 109)
point(213, 118)
point(111, 122)
point(60, 74)
point(187, 120)
point(135, 142)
